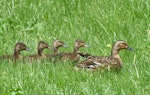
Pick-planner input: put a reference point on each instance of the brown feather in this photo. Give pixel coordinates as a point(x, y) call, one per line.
point(41, 46)
point(73, 56)
point(113, 61)
point(16, 55)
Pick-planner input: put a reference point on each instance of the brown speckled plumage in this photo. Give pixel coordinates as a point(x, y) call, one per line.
point(41, 46)
point(16, 55)
point(73, 56)
point(56, 45)
point(113, 61)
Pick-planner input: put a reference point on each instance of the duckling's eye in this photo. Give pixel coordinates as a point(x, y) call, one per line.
point(78, 43)
point(124, 44)
point(20, 46)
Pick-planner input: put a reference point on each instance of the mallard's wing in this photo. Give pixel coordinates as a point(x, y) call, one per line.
point(104, 62)
point(94, 62)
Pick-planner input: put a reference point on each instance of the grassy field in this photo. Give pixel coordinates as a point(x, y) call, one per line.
point(97, 22)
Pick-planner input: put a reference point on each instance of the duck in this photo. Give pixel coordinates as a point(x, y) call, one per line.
point(19, 46)
point(72, 56)
point(113, 61)
point(40, 55)
point(57, 44)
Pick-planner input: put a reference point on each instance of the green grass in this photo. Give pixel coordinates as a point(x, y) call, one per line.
point(97, 22)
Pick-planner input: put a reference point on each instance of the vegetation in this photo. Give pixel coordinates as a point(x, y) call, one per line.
point(97, 22)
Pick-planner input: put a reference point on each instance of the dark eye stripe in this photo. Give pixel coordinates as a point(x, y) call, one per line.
point(124, 43)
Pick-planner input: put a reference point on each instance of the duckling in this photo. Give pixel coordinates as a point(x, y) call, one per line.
point(73, 56)
point(57, 44)
point(20, 46)
point(41, 46)
point(113, 61)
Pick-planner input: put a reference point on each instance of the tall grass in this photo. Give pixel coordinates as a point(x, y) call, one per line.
point(98, 22)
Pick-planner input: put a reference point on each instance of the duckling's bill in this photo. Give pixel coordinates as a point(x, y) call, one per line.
point(87, 46)
point(49, 47)
point(129, 48)
point(28, 49)
point(65, 46)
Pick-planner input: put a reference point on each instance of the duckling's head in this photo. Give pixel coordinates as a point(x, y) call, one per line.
point(119, 45)
point(42, 45)
point(80, 43)
point(58, 43)
point(20, 46)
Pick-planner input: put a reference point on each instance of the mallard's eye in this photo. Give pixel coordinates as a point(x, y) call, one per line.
point(20, 46)
point(124, 44)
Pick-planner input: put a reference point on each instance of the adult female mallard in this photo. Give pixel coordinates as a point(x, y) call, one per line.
point(112, 61)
